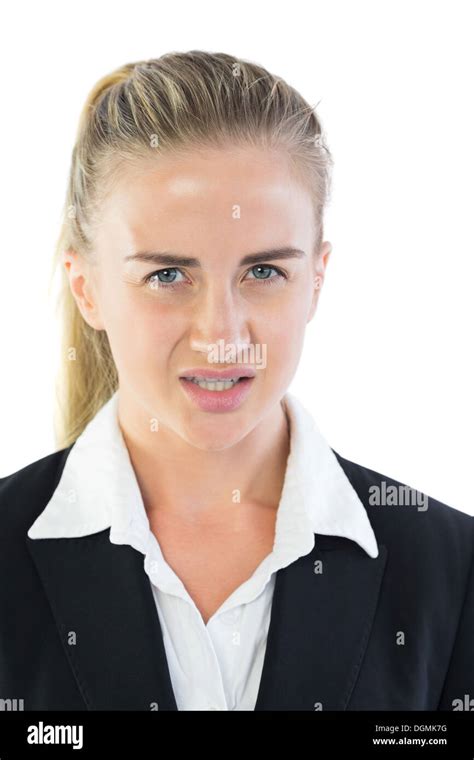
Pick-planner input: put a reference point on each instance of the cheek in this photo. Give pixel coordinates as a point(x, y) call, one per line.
point(287, 318)
point(283, 336)
point(141, 333)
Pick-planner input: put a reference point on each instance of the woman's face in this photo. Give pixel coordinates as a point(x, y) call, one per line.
point(215, 207)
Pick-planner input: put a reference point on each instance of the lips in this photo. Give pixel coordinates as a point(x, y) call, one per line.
point(217, 400)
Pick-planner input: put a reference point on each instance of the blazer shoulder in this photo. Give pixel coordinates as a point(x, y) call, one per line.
point(373, 488)
point(409, 519)
point(25, 493)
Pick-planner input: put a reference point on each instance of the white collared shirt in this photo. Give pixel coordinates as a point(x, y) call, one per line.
point(216, 666)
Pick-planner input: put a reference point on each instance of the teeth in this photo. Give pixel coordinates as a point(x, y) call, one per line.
point(214, 385)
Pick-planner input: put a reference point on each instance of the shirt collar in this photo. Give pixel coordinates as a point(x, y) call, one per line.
point(98, 489)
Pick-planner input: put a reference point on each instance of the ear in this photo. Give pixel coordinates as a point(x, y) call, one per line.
point(319, 273)
point(81, 282)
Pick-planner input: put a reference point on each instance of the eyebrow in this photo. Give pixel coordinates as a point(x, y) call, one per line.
point(167, 258)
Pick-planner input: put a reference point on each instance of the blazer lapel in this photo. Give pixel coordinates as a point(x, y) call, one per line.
point(108, 623)
point(107, 620)
point(320, 625)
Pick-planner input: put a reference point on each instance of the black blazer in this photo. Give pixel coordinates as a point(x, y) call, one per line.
point(334, 637)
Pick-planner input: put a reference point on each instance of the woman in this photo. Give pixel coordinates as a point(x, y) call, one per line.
point(194, 543)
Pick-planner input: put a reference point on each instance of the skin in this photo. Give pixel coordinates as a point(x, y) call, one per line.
point(189, 468)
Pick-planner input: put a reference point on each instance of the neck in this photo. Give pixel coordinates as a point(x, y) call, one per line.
point(181, 481)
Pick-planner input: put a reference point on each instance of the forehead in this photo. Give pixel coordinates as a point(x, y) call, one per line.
point(237, 191)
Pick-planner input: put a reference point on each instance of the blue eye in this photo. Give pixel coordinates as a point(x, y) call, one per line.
point(154, 284)
point(171, 272)
point(265, 266)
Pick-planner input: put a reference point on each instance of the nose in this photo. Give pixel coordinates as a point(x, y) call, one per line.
point(220, 315)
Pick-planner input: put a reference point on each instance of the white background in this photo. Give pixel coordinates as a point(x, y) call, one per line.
point(387, 368)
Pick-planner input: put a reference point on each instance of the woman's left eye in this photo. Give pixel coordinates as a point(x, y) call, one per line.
point(171, 271)
point(280, 274)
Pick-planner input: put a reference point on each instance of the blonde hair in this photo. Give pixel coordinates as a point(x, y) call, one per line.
point(169, 104)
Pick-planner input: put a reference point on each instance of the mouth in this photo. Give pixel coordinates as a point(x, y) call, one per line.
point(215, 385)
point(217, 395)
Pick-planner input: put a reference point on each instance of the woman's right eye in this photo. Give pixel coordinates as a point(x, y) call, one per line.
point(159, 283)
